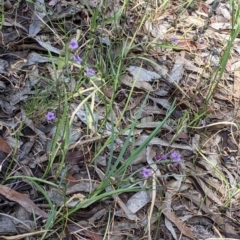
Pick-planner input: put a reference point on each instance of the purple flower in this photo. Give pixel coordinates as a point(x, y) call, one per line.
point(174, 40)
point(203, 123)
point(175, 165)
point(77, 59)
point(175, 156)
point(73, 44)
point(146, 172)
point(161, 157)
point(201, 41)
point(90, 72)
point(50, 116)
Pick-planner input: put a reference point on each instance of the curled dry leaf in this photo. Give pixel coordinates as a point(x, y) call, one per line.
point(24, 201)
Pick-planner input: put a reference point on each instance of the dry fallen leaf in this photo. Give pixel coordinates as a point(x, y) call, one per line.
point(92, 235)
point(127, 212)
point(138, 201)
point(21, 236)
point(23, 200)
point(159, 141)
point(173, 187)
point(178, 68)
point(4, 147)
point(222, 238)
point(39, 13)
point(142, 75)
point(128, 81)
point(52, 3)
point(76, 157)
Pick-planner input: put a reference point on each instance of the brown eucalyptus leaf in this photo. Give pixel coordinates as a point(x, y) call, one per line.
point(21, 236)
point(4, 146)
point(23, 200)
point(76, 157)
point(209, 192)
point(179, 224)
point(92, 235)
point(173, 188)
point(169, 226)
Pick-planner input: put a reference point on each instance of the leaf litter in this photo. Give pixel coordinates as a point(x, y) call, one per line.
point(189, 196)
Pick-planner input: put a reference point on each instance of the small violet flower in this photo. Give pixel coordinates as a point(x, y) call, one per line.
point(174, 40)
point(73, 44)
point(146, 172)
point(175, 165)
point(201, 41)
point(77, 59)
point(203, 123)
point(175, 156)
point(50, 116)
point(161, 157)
point(90, 72)
point(204, 59)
